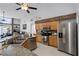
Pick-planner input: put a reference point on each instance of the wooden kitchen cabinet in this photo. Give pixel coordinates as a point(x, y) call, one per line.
point(39, 38)
point(48, 25)
point(54, 25)
point(43, 24)
point(39, 27)
point(29, 43)
point(25, 43)
point(53, 41)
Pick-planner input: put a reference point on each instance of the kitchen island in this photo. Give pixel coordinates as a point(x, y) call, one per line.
point(29, 43)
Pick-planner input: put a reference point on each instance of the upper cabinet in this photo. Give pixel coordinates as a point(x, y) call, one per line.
point(54, 25)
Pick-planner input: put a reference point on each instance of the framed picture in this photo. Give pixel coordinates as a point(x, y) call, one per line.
point(24, 26)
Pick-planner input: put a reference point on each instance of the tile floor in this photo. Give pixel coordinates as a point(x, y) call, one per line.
point(42, 50)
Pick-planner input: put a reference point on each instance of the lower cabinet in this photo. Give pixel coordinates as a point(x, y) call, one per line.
point(25, 43)
point(39, 38)
point(30, 43)
point(53, 41)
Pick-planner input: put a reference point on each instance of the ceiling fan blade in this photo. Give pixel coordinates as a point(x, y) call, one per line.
point(18, 8)
point(32, 8)
point(28, 11)
point(18, 3)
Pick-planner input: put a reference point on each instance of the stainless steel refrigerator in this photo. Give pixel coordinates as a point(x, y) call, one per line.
point(67, 38)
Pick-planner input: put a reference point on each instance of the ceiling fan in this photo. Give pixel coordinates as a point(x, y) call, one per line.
point(25, 7)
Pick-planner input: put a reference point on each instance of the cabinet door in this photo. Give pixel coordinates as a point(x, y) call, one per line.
point(48, 25)
point(39, 39)
point(53, 41)
point(54, 25)
point(38, 27)
point(44, 24)
point(41, 26)
point(25, 44)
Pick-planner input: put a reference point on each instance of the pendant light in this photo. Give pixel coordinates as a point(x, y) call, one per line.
point(3, 16)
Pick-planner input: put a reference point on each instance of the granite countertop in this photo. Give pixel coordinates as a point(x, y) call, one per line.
point(8, 37)
point(16, 50)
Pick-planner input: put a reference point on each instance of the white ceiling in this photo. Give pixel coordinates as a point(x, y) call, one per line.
point(43, 11)
point(10, 10)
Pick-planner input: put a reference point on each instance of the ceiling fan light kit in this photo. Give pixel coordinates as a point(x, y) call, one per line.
point(25, 7)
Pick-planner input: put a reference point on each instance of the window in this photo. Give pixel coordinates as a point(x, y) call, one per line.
point(5, 20)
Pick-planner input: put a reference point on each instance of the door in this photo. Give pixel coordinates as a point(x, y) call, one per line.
point(73, 39)
point(63, 37)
